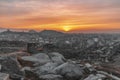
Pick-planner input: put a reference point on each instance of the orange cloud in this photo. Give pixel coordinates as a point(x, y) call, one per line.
point(77, 15)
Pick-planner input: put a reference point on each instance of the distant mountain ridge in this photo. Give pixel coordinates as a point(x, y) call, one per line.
point(51, 32)
point(43, 33)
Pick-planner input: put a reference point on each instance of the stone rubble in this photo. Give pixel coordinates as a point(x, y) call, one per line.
point(48, 66)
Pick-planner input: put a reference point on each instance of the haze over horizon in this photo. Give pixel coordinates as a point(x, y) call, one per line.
point(61, 15)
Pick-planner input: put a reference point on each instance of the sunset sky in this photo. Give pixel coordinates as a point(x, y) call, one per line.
point(61, 15)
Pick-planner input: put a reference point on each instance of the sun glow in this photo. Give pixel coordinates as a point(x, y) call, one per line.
point(66, 28)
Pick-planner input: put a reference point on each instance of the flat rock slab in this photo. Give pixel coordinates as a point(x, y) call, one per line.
point(4, 76)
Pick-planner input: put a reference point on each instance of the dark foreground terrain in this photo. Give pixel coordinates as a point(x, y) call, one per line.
point(51, 55)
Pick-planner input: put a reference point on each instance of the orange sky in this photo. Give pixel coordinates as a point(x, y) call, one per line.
point(61, 15)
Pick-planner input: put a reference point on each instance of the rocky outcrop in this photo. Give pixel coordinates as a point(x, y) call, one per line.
point(49, 66)
point(53, 66)
point(11, 66)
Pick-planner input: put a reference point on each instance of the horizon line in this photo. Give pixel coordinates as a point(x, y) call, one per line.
point(70, 32)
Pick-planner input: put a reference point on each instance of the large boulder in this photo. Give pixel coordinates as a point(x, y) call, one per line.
point(40, 58)
point(11, 66)
point(70, 71)
point(4, 76)
point(51, 77)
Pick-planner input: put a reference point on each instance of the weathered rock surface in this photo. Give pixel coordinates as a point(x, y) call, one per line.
point(4, 76)
point(10, 66)
point(52, 65)
point(48, 66)
point(69, 70)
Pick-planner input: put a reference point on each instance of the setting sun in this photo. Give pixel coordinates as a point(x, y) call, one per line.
point(67, 28)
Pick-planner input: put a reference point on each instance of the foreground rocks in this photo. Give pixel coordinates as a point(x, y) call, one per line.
point(42, 58)
point(11, 66)
point(48, 66)
point(53, 66)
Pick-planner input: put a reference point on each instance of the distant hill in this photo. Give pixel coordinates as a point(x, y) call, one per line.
point(12, 32)
point(42, 33)
point(51, 33)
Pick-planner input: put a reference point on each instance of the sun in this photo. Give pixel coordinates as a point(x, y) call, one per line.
point(66, 28)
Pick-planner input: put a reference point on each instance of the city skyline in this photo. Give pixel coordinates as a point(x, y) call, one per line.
point(61, 15)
